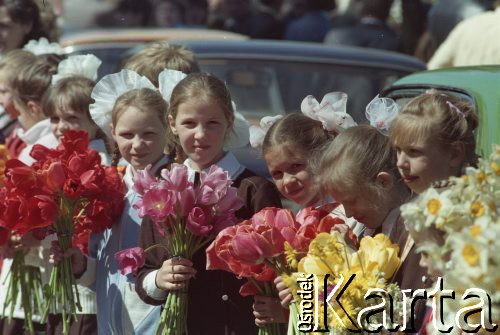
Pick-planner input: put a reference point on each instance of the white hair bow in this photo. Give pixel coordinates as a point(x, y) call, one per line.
point(380, 112)
point(77, 65)
point(257, 134)
point(331, 112)
point(112, 86)
point(42, 47)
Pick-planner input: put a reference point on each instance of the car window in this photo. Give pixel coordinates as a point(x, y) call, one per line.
point(264, 87)
point(403, 95)
point(111, 58)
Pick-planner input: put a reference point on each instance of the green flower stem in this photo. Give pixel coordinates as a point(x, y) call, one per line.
point(293, 319)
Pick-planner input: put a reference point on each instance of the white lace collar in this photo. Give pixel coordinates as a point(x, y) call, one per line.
point(228, 163)
point(32, 135)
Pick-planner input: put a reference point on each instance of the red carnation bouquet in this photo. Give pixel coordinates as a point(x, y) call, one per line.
point(188, 216)
point(66, 192)
point(255, 249)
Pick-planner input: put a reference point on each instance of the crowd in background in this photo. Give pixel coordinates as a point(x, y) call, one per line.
point(414, 27)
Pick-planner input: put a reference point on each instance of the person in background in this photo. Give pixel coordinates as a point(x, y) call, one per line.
point(371, 31)
point(313, 24)
point(19, 23)
point(169, 14)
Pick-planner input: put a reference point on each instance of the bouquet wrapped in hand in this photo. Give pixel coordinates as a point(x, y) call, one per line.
point(188, 216)
point(255, 248)
point(66, 192)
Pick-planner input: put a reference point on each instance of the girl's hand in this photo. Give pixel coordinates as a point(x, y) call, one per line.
point(78, 259)
point(268, 310)
point(174, 273)
point(284, 292)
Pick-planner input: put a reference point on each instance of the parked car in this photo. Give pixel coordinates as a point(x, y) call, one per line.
point(478, 85)
point(110, 45)
point(272, 77)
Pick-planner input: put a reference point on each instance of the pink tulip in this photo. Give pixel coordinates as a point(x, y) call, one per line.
point(249, 289)
point(130, 260)
point(229, 202)
point(198, 223)
point(224, 221)
point(213, 186)
point(177, 177)
point(252, 247)
point(185, 200)
point(144, 180)
point(158, 203)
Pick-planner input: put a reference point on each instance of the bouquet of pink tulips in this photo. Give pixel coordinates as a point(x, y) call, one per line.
point(188, 216)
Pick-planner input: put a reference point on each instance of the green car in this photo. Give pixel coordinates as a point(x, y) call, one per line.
point(480, 85)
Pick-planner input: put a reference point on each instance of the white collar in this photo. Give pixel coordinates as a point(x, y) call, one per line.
point(128, 177)
point(33, 134)
point(228, 163)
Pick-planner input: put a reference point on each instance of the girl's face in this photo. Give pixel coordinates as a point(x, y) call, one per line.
point(422, 163)
point(67, 119)
point(6, 100)
point(202, 127)
point(140, 137)
point(292, 176)
point(426, 262)
point(363, 206)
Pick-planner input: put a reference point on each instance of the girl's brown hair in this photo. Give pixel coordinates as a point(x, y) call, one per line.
point(145, 100)
point(14, 62)
point(438, 117)
point(354, 158)
point(301, 133)
point(32, 83)
point(199, 87)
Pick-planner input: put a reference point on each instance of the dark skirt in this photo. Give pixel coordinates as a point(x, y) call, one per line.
point(85, 324)
point(16, 327)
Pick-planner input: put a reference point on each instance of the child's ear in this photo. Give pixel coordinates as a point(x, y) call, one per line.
point(457, 154)
point(35, 109)
point(385, 179)
point(113, 134)
point(171, 123)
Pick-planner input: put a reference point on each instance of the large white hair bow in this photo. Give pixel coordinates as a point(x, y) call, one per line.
point(42, 47)
point(112, 86)
point(77, 65)
point(380, 112)
point(257, 134)
point(331, 112)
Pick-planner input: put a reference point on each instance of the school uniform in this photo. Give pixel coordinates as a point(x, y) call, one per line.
point(228, 312)
point(410, 273)
point(119, 309)
point(38, 134)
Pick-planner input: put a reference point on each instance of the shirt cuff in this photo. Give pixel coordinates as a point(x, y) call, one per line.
point(153, 291)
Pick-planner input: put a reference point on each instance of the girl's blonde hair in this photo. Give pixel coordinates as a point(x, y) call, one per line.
point(199, 87)
point(159, 56)
point(146, 101)
point(441, 118)
point(354, 158)
point(301, 133)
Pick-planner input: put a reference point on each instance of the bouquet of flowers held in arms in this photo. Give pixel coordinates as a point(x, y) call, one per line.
point(188, 216)
point(337, 281)
point(66, 192)
point(458, 228)
point(255, 249)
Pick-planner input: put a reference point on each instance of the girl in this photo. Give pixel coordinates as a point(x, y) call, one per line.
point(28, 90)
point(67, 105)
point(362, 155)
point(10, 66)
point(287, 148)
point(434, 139)
point(201, 116)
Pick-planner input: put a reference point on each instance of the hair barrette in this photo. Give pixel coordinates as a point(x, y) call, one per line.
point(331, 112)
point(112, 86)
point(455, 109)
point(77, 65)
point(43, 46)
point(257, 134)
point(380, 112)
